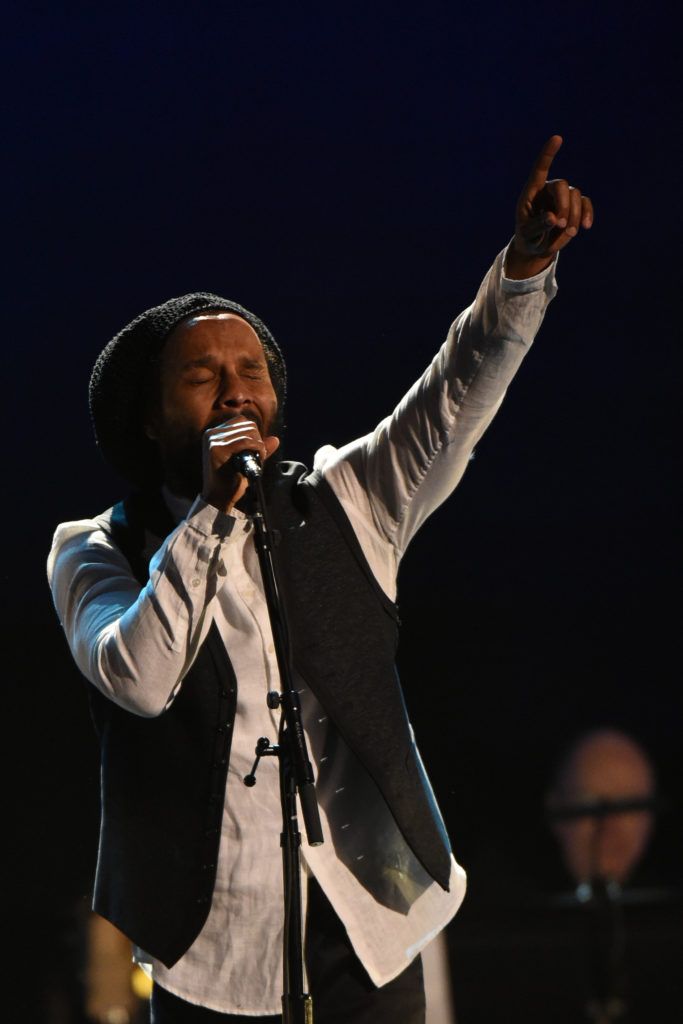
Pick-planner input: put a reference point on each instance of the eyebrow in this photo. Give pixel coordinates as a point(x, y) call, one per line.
point(210, 360)
point(200, 361)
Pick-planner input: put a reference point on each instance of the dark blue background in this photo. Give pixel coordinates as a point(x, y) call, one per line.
point(350, 173)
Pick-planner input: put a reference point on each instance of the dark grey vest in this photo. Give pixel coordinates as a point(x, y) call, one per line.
point(164, 779)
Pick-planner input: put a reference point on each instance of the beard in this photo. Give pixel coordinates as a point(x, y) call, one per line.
point(181, 455)
point(181, 461)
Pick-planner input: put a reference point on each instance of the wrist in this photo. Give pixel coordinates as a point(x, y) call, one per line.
point(225, 498)
point(519, 266)
point(220, 503)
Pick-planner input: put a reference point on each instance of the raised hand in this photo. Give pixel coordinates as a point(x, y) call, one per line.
point(548, 215)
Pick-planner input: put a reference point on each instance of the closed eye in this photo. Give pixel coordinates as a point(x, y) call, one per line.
point(253, 369)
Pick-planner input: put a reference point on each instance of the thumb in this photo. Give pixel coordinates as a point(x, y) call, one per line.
point(271, 445)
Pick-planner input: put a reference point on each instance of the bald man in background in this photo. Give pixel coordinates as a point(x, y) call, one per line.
point(603, 767)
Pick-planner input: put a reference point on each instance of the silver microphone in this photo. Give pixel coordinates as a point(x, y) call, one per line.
point(248, 464)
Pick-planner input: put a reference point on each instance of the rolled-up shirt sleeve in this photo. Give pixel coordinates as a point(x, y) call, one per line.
point(136, 643)
point(393, 478)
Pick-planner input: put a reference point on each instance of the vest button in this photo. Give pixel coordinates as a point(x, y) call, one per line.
point(202, 899)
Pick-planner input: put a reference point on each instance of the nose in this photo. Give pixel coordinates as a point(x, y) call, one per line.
point(233, 395)
point(234, 400)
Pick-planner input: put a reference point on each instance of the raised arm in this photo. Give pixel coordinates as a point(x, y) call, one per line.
point(392, 479)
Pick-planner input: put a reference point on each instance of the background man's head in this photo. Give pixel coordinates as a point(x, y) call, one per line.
point(601, 767)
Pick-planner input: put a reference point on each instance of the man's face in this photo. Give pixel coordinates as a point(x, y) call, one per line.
point(212, 369)
point(606, 767)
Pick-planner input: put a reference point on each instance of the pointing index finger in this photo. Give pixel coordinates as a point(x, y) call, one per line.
point(539, 172)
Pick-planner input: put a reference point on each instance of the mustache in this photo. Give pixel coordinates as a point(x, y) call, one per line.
point(252, 417)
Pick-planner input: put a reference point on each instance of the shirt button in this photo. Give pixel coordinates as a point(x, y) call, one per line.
point(196, 581)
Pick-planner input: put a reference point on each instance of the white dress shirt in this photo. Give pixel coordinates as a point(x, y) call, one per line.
point(136, 645)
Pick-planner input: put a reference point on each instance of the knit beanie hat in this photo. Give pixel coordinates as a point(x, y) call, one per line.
point(122, 375)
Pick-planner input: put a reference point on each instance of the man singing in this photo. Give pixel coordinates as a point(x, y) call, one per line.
point(162, 602)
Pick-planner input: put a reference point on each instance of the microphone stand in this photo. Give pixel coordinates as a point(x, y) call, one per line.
point(296, 773)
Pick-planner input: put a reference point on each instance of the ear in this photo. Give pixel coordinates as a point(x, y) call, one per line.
point(151, 423)
point(152, 404)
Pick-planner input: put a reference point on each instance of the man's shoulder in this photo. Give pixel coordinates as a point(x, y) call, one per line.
point(100, 523)
point(81, 535)
point(297, 480)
